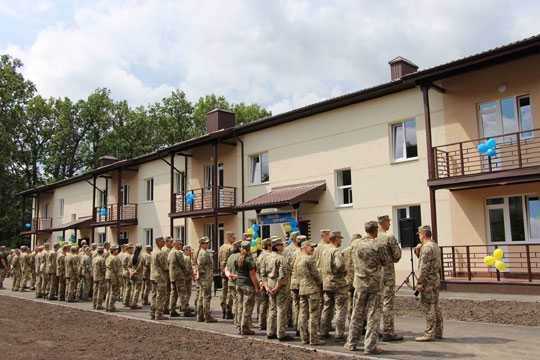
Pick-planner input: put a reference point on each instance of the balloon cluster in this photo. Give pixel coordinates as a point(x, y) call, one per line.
point(190, 198)
point(488, 148)
point(290, 227)
point(28, 226)
point(255, 237)
point(103, 212)
point(496, 260)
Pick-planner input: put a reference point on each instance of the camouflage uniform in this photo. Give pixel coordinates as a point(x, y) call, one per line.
point(136, 279)
point(50, 268)
point(113, 278)
point(205, 273)
point(178, 274)
point(147, 283)
point(16, 271)
point(45, 283)
point(39, 273)
point(98, 275)
point(85, 283)
point(389, 281)
point(159, 276)
point(310, 286)
point(25, 269)
point(231, 268)
point(224, 252)
point(3, 266)
point(61, 274)
point(72, 274)
point(189, 278)
point(263, 295)
point(126, 283)
point(292, 256)
point(335, 290)
point(245, 291)
point(369, 257)
point(429, 268)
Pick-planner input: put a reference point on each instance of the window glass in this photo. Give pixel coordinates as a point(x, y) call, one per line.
point(525, 116)
point(255, 169)
point(533, 209)
point(150, 189)
point(489, 118)
point(265, 171)
point(495, 201)
point(344, 187)
point(398, 142)
point(508, 113)
point(517, 227)
point(496, 225)
point(410, 139)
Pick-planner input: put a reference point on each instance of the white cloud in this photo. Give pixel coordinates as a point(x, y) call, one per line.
point(282, 54)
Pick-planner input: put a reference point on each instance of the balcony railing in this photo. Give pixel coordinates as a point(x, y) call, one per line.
point(514, 151)
point(466, 263)
point(203, 199)
point(40, 224)
point(127, 212)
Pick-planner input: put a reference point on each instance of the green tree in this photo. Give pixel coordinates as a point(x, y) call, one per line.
point(172, 118)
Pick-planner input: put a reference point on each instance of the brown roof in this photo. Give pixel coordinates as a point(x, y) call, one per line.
point(286, 196)
point(81, 222)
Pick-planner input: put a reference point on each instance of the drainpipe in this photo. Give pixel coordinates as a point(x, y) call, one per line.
point(242, 182)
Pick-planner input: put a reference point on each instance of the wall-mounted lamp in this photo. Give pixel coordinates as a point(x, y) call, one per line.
point(502, 88)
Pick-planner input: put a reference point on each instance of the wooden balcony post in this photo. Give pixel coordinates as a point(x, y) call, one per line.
point(429, 144)
point(202, 200)
point(442, 265)
point(37, 212)
point(447, 165)
point(172, 197)
point(529, 272)
point(454, 260)
point(118, 206)
point(498, 273)
point(520, 160)
point(469, 275)
point(93, 201)
point(461, 158)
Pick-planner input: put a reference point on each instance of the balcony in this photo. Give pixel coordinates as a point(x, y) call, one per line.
point(41, 224)
point(461, 164)
point(128, 214)
point(203, 201)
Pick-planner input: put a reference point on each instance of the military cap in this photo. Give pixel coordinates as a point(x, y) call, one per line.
point(130, 246)
point(294, 234)
point(148, 246)
point(325, 231)
point(247, 235)
point(356, 236)
point(383, 218)
point(66, 246)
point(335, 235)
point(123, 246)
point(423, 228)
point(266, 241)
point(204, 240)
point(309, 243)
point(115, 247)
point(168, 238)
point(74, 248)
point(277, 241)
point(237, 243)
point(187, 247)
point(301, 238)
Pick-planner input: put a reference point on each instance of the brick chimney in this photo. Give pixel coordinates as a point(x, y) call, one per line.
point(218, 119)
point(400, 67)
point(106, 160)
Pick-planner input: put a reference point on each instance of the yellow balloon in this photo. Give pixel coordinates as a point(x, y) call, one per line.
point(489, 260)
point(501, 266)
point(498, 254)
point(250, 231)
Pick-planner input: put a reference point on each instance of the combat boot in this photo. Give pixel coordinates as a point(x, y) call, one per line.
point(210, 319)
point(174, 314)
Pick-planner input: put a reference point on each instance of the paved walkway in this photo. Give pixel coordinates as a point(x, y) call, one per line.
point(479, 296)
point(463, 340)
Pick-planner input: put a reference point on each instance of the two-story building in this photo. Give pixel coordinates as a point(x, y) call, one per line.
point(407, 148)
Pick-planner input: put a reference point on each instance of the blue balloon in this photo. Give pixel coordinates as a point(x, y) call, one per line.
point(482, 148)
point(190, 197)
point(28, 225)
point(491, 152)
point(491, 143)
point(103, 211)
point(255, 228)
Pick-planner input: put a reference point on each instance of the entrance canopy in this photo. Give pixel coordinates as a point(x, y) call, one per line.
point(289, 195)
point(75, 224)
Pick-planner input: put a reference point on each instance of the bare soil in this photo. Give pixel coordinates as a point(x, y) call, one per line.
point(30, 330)
point(491, 311)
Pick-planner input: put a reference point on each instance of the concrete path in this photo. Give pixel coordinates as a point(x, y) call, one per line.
point(463, 340)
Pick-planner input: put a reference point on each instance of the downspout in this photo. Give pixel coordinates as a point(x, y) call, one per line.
point(243, 192)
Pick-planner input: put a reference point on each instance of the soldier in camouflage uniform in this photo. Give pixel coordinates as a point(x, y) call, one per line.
point(126, 260)
point(39, 272)
point(389, 279)
point(291, 252)
point(26, 276)
point(230, 272)
point(3, 265)
point(61, 271)
point(335, 291)
point(266, 245)
point(317, 254)
point(16, 270)
point(275, 276)
point(50, 268)
point(98, 274)
point(177, 274)
point(159, 274)
point(85, 266)
point(369, 257)
point(247, 286)
point(32, 261)
point(113, 278)
point(136, 267)
point(224, 252)
point(310, 286)
point(168, 247)
point(204, 280)
point(349, 267)
point(45, 284)
point(147, 283)
point(189, 276)
point(429, 281)
point(72, 274)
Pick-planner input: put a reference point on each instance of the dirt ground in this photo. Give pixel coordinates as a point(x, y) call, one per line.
point(501, 312)
point(36, 331)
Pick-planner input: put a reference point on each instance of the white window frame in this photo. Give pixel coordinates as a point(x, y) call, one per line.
point(102, 237)
point(339, 189)
point(209, 178)
point(148, 236)
point(125, 194)
point(124, 235)
point(208, 231)
point(252, 175)
point(498, 111)
point(102, 199)
point(507, 223)
point(179, 233)
point(149, 189)
point(393, 141)
point(179, 182)
point(61, 207)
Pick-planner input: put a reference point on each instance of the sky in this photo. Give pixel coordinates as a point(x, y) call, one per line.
point(279, 54)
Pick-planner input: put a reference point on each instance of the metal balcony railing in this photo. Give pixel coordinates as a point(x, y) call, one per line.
point(127, 212)
point(203, 199)
point(39, 224)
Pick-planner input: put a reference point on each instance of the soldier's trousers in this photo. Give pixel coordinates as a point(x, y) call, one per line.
point(263, 312)
point(178, 298)
point(98, 294)
point(366, 307)
point(224, 293)
point(26, 279)
point(203, 302)
point(2, 277)
point(16, 285)
point(71, 289)
point(309, 317)
point(113, 294)
point(276, 324)
point(350, 301)
point(147, 288)
point(84, 287)
point(429, 299)
point(159, 294)
point(167, 295)
point(32, 282)
point(45, 285)
point(126, 295)
point(295, 307)
point(189, 285)
point(136, 289)
point(235, 311)
point(334, 302)
point(388, 308)
point(39, 285)
point(53, 285)
point(245, 296)
point(61, 287)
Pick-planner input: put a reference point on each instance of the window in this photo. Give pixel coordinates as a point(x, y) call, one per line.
point(404, 140)
point(124, 194)
point(209, 232)
point(260, 172)
point(149, 189)
point(179, 182)
point(344, 187)
point(102, 238)
point(208, 176)
point(149, 237)
point(124, 239)
point(102, 201)
point(407, 212)
point(61, 207)
point(46, 211)
point(506, 116)
point(513, 219)
point(179, 233)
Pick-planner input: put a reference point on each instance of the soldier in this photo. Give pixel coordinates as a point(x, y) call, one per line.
point(16, 270)
point(169, 244)
point(189, 276)
point(147, 283)
point(50, 269)
point(335, 291)
point(247, 286)
point(275, 281)
point(26, 272)
point(310, 286)
point(98, 274)
point(224, 252)
point(3, 265)
point(291, 253)
point(230, 272)
point(389, 279)
point(32, 261)
point(45, 285)
point(39, 273)
point(113, 278)
point(126, 259)
point(85, 274)
point(204, 280)
point(72, 273)
point(266, 245)
point(61, 271)
point(159, 276)
point(177, 274)
point(369, 257)
point(429, 281)
point(136, 267)
point(121, 256)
